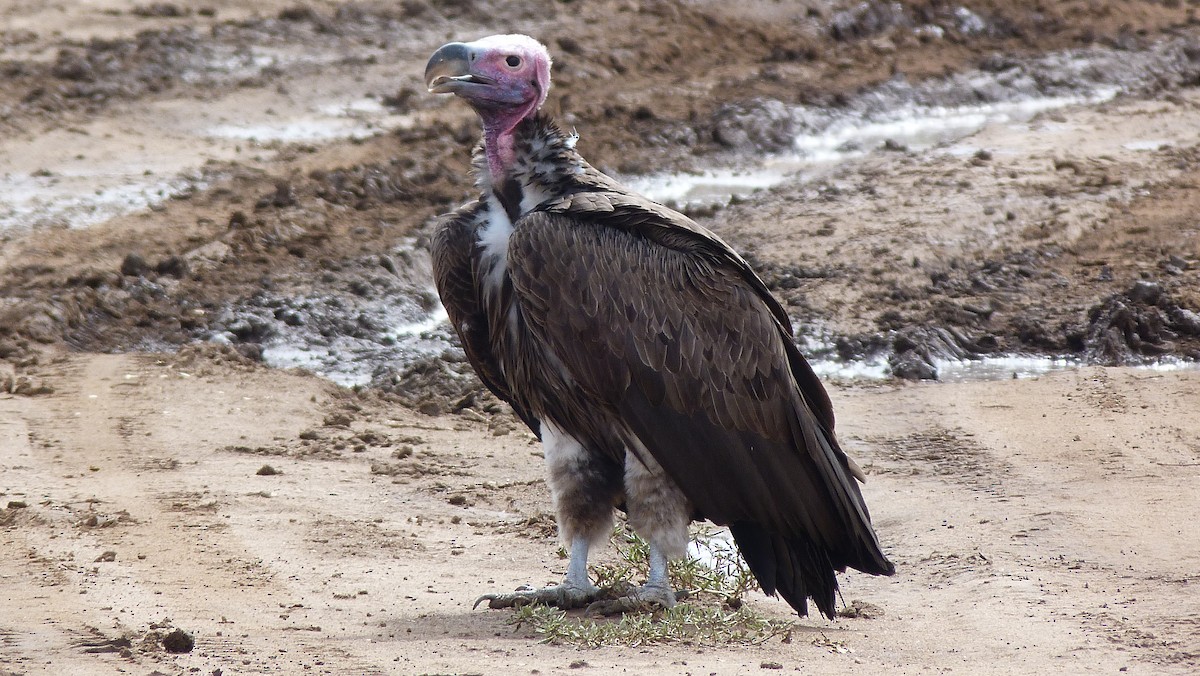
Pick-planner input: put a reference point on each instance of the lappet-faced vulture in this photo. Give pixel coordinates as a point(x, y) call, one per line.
point(652, 362)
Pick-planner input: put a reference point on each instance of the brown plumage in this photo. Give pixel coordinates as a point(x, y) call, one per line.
point(648, 356)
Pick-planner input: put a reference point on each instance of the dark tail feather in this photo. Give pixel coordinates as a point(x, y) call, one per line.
point(796, 569)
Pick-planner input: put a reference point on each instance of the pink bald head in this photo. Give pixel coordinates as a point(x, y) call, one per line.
point(505, 78)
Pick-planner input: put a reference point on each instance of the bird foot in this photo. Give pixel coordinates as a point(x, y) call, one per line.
point(646, 598)
point(563, 596)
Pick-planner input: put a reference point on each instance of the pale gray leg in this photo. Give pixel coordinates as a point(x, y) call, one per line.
point(658, 585)
point(577, 575)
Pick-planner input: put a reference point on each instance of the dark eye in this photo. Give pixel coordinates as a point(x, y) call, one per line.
point(513, 61)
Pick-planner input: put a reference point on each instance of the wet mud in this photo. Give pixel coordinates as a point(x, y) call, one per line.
point(312, 253)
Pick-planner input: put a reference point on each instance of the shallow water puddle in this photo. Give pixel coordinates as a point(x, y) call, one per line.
point(914, 128)
point(921, 128)
point(875, 368)
point(296, 130)
point(1004, 367)
point(995, 367)
point(350, 361)
point(355, 119)
point(327, 362)
point(1001, 367)
point(79, 200)
point(417, 328)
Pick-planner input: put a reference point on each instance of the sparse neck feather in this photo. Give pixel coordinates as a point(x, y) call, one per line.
point(499, 130)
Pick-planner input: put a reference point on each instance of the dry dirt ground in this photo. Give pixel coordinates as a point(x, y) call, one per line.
point(1038, 524)
point(1041, 525)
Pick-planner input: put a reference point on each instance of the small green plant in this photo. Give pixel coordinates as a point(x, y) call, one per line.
point(713, 614)
point(634, 553)
point(719, 570)
point(685, 623)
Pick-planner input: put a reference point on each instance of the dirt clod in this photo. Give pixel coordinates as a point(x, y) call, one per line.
point(134, 265)
point(178, 641)
point(861, 609)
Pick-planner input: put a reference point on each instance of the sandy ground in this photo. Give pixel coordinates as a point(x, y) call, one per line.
point(1038, 524)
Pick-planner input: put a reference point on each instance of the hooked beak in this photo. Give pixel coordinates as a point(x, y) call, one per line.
point(449, 69)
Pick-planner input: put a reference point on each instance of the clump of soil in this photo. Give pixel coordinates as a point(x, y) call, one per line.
point(178, 641)
point(1138, 323)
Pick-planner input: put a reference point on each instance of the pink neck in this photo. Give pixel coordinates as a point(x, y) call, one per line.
point(499, 129)
point(498, 145)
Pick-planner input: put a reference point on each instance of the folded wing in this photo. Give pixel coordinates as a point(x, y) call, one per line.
point(667, 329)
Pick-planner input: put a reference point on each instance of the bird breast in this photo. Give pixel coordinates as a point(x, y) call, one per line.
point(493, 245)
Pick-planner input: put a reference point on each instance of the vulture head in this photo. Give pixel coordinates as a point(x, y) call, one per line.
point(505, 78)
